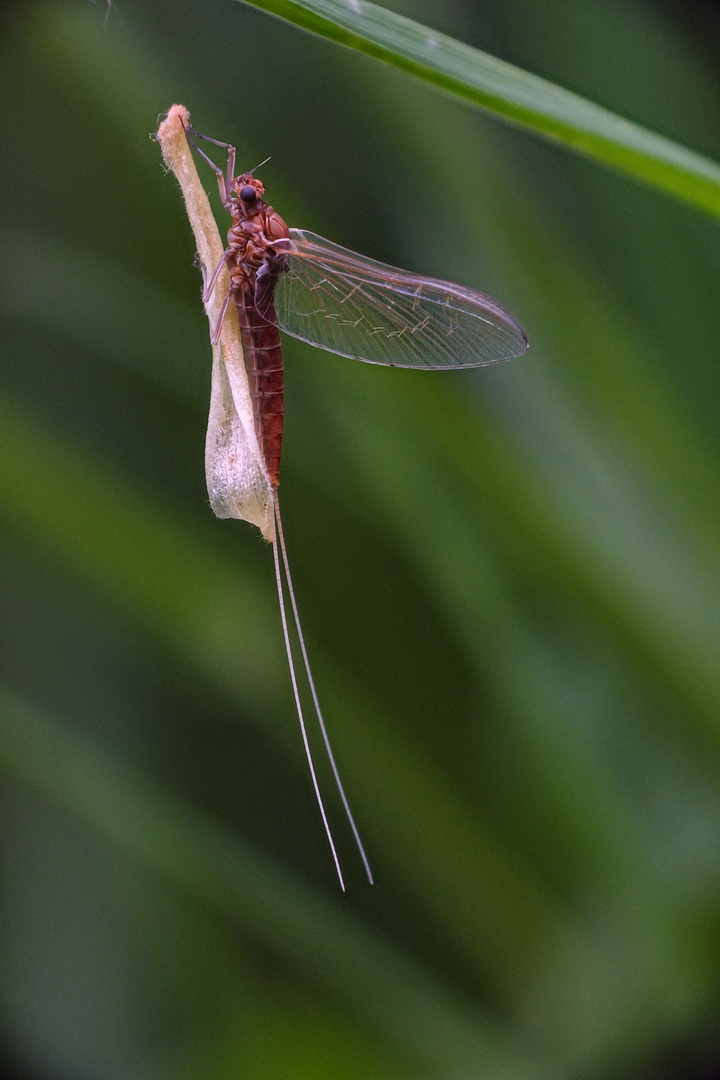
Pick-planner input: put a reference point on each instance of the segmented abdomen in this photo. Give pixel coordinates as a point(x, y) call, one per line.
point(264, 363)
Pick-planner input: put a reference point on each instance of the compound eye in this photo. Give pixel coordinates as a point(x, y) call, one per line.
point(248, 194)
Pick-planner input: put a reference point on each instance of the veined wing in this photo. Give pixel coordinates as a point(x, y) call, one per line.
point(366, 310)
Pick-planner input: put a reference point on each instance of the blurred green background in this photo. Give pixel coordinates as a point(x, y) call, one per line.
point(510, 578)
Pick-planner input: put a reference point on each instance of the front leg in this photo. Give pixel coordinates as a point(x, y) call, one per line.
point(208, 287)
point(224, 183)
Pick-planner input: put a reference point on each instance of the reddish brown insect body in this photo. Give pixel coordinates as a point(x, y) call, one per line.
point(255, 226)
point(349, 305)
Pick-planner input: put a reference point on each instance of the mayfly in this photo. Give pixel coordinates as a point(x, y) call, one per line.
point(278, 278)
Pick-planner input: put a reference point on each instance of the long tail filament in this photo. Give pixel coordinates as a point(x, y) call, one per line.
point(282, 566)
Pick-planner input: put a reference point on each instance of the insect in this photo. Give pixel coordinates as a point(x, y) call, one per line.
point(292, 280)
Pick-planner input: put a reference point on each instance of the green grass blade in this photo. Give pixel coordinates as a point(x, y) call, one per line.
point(509, 93)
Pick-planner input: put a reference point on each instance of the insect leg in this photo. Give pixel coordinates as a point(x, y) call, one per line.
point(224, 183)
point(208, 286)
point(221, 319)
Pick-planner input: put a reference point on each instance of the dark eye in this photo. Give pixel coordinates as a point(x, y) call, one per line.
point(248, 194)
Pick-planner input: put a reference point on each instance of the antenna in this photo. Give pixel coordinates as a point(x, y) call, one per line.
point(251, 171)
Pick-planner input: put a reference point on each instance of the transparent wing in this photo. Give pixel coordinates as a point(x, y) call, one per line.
point(365, 310)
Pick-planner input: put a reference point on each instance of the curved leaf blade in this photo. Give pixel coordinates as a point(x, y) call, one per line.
point(508, 92)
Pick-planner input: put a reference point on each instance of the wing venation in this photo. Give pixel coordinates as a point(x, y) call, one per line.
point(363, 309)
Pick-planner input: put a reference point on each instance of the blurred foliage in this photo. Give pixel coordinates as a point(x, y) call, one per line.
point(510, 579)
